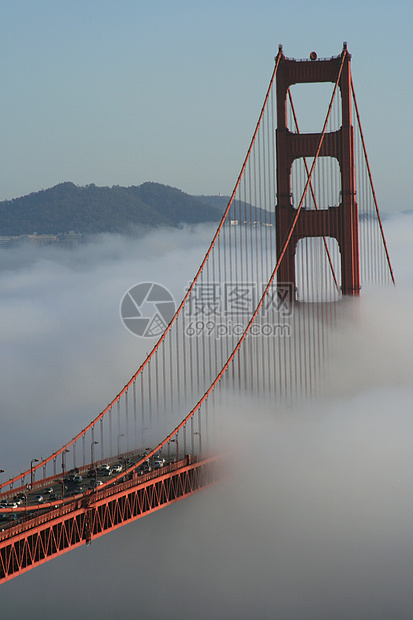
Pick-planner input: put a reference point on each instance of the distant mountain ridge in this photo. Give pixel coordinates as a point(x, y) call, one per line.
point(92, 209)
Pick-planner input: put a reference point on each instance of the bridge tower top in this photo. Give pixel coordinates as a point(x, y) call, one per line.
point(341, 221)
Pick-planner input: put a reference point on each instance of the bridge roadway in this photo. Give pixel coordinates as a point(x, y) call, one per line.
point(42, 531)
point(29, 507)
point(62, 488)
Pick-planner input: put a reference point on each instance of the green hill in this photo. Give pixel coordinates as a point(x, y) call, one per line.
point(93, 209)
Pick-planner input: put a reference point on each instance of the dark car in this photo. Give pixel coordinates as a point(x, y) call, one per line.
point(75, 491)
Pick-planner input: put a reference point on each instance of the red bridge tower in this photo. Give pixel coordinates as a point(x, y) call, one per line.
point(339, 222)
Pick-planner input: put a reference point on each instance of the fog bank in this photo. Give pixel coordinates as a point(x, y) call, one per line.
point(314, 520)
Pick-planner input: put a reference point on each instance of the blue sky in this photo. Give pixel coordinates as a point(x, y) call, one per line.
point(132, 91)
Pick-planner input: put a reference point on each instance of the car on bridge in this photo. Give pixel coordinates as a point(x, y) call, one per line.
point(75, 491)
point(39, 499)
point(117, 468)
point(158, 463)
point(94, 483)
point(7, 516)
point(144, 468)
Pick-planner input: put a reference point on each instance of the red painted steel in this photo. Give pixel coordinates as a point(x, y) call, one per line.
point(340, 222)
point(330, 262)
point(78, 522)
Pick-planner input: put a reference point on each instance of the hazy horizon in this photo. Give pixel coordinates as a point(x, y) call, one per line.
point(119, 94)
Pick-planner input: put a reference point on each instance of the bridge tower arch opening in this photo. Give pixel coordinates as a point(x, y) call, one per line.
point(314, 270)
point(338, 221)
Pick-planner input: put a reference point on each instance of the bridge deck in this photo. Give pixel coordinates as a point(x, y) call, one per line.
point(91, 515)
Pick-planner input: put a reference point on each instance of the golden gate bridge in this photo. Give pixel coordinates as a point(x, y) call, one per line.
point(300, 237)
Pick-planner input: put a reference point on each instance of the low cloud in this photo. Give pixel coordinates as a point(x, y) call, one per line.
point(315, 517)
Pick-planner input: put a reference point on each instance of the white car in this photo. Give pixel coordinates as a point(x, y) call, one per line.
point(38, 499)
point(93, 484)
point(116, 469)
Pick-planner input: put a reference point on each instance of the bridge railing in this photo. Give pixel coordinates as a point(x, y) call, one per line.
point(77, 504)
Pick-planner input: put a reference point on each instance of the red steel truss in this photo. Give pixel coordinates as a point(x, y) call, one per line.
point(49, 535)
